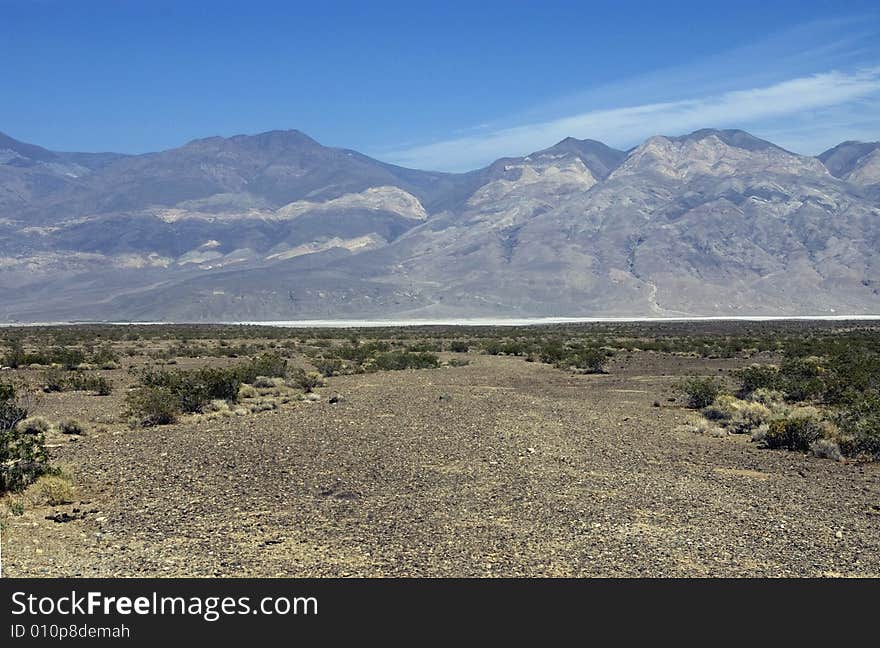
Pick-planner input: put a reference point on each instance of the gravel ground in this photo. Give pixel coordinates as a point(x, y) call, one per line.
point(499, 468)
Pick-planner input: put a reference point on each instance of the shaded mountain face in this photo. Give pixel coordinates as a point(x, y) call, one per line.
point(276, 226)
point(856, 162)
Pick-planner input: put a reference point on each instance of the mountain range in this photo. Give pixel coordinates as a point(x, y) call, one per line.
point(276, 226)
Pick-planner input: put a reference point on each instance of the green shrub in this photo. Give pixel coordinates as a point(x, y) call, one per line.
point(801, 379)
point(267, 364)
point(795, 432)
point(588, 361)
point(12, 411)
point(196, 388)
point(329, 366)
point(148, 406)
point(105, 357)
point(400, 360)
point(756, 377)
point(701, 392)
point(552, 352)
point(859, 423)
point(23, 454)
point(305, 381)
point(67, 357)
point(15, 357)
point(80, 381)
point(458, 346)
point(54, 380)
point(421, 347)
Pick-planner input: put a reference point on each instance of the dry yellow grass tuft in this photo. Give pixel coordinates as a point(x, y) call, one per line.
point(52, 490)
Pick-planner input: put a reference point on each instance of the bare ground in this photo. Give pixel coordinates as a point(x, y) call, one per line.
point(499, 468)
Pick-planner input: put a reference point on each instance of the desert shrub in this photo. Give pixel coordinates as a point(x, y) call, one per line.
point(305, 381)
point(859, 424)
point(329, 366)
point(12, 410)
point(701, 392)
point(53, 379)
point(552, 352)
point(15, 357)
point(738, 416)
point(399, 360)
point(247, 391)
point(801, 379)
point(101, 386)
point(715, 412)
point(53, 490)
point(748, 416)
point(88, 382)
point(826, 449)
point(66, 357)
point(271, 365)
point(71, 426)
point(721, 409)
point(23, 455)
point(760, 433)
point(864, 446)
point(263, 382)
point(705, 427)
point(456, 362)
point(853, 372)
point(797, 431)
point(105, 357)
point(264, 405)
point(424, 346)
point(359, 353)
point(588, 361)
point(458, 346)
point(148, 406)
point(57, 380)
point(34, 425)
point(768, 397)
point(201, 386)
point(756, 377)
point(194, 389)
point(506, 347)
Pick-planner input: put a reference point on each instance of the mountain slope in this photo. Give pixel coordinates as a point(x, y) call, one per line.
point(276, 226)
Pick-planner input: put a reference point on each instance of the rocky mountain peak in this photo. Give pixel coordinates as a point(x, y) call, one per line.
point(599, 158)
point(16, 148)
point(731, 137)
point(853, 161)
point(717, 153)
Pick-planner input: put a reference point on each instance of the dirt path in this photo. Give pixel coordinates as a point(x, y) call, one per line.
point(502, 467)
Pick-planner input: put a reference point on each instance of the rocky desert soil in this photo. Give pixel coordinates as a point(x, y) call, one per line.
point(499, 468)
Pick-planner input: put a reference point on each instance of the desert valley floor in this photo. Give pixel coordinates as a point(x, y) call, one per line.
point(501, 467)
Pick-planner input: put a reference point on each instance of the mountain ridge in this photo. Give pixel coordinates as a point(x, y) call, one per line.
point(277, 226)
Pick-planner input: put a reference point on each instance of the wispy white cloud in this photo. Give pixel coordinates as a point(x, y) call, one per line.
point(806, 99)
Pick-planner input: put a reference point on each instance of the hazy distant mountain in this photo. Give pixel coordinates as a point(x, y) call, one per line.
point(276, 226)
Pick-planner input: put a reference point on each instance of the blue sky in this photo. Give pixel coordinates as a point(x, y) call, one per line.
point(445, 85)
